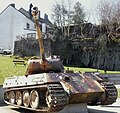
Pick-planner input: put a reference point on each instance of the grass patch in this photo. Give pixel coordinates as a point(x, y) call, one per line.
point(118, 93)
point(90, 70)
point(7, 68)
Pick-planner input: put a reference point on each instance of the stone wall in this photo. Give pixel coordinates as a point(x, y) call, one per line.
point(30, 47)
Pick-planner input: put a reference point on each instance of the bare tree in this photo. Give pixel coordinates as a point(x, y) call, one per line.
point(79, 15)
point(109, 13)
point(64, 14)
point(69, 16)
point(59, 15)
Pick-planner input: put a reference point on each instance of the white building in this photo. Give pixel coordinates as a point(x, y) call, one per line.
point(17, 23)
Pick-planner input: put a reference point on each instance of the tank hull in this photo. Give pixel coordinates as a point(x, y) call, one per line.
point(56, 90)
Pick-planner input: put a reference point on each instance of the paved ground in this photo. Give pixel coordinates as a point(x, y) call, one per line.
point(115, 108)
point(117, 86)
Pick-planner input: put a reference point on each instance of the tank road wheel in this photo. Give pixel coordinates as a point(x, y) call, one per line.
point(34, 99)
point(6, 96)
point(12, 97)
point(48, 100)
point(26, 98)
point(19, 98)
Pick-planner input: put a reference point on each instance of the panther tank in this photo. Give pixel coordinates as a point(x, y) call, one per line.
point(47, 87)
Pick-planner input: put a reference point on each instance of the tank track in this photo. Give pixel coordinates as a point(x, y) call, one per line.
point(108, 97)
point(110, 93)
point(55, 97)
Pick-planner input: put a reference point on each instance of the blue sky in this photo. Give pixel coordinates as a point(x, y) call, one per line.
point(45, 6)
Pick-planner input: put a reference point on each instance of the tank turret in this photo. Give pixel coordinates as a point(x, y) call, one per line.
point(43, 64)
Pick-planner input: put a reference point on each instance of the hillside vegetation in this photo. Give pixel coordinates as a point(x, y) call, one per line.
point(119, 93)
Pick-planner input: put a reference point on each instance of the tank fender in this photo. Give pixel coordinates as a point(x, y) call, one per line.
point(76, 83)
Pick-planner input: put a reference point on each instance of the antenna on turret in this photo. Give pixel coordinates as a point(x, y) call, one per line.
point(35, 16)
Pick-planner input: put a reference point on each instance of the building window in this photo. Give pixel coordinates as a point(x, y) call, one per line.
point(27, 26)
point(31, 35)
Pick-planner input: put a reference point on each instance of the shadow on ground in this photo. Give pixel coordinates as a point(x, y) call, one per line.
point(112, 106)
point(99, 111)
point(22, 110)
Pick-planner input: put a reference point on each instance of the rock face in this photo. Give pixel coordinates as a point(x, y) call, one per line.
point(107, 58)
point(103, 54)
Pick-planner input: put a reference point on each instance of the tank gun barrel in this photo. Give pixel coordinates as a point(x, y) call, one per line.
point(35, 16)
